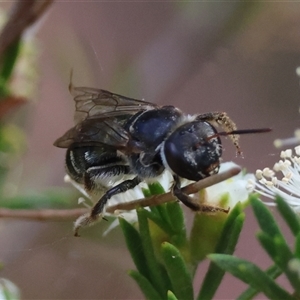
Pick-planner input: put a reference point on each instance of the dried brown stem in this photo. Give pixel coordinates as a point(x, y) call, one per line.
point(72, 214)
point(22, 15)
point(43, 214)
point(168, 197)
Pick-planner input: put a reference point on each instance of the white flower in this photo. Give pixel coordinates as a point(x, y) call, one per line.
point(8, 290)
point(131, 216)
point(230, 191)
point(295, 140)
point(233, 190)
point(288, 186)
point(165, 180)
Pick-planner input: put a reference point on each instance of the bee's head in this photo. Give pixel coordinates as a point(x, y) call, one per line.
point(193, 151)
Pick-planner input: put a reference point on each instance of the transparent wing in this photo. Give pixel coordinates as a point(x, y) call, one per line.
point(96, 103)
point(107, 131)
point(100, 117)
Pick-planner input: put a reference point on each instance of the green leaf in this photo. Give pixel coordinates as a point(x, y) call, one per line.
point(288, 214)
point(175, 213)
point(205, 233)
point(277, 248)
point(273, 272)
point(179, 275)
point(294, 268)
point(155, 216)
point(297, 246)
point(171, 296)
point(226, 244)
point(230, 235)
point(264, 217)
point(273, 240)
point(161, 215)
point(9, 59)
point(230, 220)
point(281, 255)
point(134, 245)
point(207, 229)
point(158, 214)
point(7, 66)
point(284, 257)
point(169, 217)
point(159, 211)
point(176, 217)
point(155, 269)
point(156, 188)
point(250, 274)
point(268, 243)
point(146, 287)
point(146, 192)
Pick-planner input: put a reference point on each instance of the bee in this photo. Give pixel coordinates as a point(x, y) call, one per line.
point(116, 137)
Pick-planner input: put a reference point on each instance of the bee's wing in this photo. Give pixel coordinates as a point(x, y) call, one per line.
point(94, 103)
point(107, 131)
point(99, 118)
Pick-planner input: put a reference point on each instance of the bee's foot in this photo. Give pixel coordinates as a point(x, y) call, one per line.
point(85, 220)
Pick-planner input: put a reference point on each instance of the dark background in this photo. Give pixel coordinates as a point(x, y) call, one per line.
point(199, 56)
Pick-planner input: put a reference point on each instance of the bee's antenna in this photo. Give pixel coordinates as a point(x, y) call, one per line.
point(237, 132)
point(71, 86)
point(241, 131)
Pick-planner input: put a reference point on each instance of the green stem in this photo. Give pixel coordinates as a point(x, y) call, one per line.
point(8, 63)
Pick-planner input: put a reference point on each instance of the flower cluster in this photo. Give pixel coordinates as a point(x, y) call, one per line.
point(224, 194)
point(228, 192)
point(295, 140)
point(269, 185)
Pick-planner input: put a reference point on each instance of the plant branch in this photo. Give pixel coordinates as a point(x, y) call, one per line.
point(71, 214)
point(168, 197)
point(42, 214)
point(22, 16)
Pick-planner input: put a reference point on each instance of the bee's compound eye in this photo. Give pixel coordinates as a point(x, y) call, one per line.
point(190, 154)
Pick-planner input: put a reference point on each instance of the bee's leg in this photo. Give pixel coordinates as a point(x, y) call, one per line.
point(93, 216)
point(190, 202)
point(222, 119)
point(93, 174)
point(120, 188)
point(184, 198)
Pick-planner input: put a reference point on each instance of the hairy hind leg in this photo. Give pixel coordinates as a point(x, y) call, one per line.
point(93, 216)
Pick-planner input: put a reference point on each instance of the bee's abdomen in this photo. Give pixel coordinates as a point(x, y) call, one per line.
point(80, 159)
